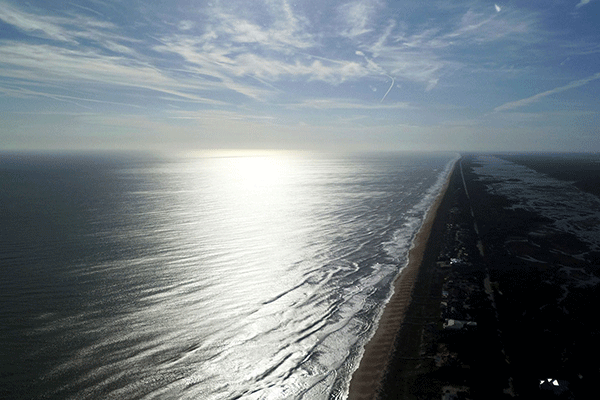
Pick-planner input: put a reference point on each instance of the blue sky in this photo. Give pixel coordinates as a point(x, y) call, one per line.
point(306, 74)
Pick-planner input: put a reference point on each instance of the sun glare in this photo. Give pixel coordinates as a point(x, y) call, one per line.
point(257, 172)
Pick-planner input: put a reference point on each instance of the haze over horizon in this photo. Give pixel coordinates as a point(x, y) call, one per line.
point(353, 75)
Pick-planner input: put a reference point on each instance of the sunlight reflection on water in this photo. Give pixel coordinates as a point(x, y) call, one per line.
point(255, 276)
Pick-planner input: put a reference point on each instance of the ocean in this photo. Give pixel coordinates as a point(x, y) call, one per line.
point(214, 276)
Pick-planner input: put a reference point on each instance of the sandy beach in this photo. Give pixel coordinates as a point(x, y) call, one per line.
point(367, 379)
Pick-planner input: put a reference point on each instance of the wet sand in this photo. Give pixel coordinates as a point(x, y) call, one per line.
point(368, 378)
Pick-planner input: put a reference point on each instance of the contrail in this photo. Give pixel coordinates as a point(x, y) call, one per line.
point(378, 69)
point(390, 88)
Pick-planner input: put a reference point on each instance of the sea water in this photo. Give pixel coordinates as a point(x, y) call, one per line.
point(219, 276)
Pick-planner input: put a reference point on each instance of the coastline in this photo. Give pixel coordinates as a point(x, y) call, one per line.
point(368, 379)
point(468, 309)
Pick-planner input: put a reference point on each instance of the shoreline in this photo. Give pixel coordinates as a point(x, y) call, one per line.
point(468, 312)
point(368, 378)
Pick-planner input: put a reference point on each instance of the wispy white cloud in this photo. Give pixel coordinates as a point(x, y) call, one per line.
point(244, 48)
point(582, 3)
point(357, 17)
point(234, 46)
point(530, 100)
point(36, 25)
point(214, 58)
point(185, 25)
point(247, 26)
point(235, 53)
point(581, 48)
point(480, 26)
point(45, 63)
point(426, 54)
point(88, 9)
point(21, 92)
point(70, 29)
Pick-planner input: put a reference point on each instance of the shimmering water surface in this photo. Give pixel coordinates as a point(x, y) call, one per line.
point(211, 277)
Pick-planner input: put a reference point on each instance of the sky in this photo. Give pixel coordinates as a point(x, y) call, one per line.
point(515, 75)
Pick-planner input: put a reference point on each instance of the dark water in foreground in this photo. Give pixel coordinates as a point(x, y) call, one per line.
point(255, 277)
